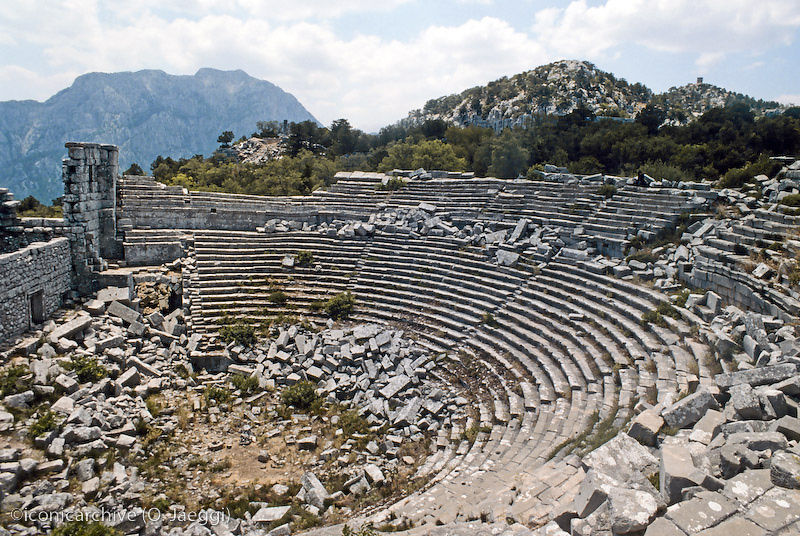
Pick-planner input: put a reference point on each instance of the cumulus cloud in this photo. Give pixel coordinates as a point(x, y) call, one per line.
point(366, 76)
point(708, 29)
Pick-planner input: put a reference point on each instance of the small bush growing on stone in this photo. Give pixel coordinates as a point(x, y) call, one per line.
point(45, 423)
point(791, 200)
point(364, 530)
point(680, 299)
point(353, 423)
point(246, 384)
point(607, 190)
point(340, 306)
point(304, 258)
point(653, 317)
point(240, 333)
point(82, 528)
point(665, 309)
point(87, 368)
point(278, 297)
point(392, 185)
point(490, 320)
point(216, 393)
point(302, 395)
point(14, 380)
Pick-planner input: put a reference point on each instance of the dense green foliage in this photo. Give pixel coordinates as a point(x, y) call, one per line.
point(302, 395)
point(340, 306)
point(30, 207)
point(728, 145)
point(239, 332)
point(87, 368)
point(14, 380)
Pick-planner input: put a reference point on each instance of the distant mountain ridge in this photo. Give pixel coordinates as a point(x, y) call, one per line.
point(560, 87)
point(146, 113)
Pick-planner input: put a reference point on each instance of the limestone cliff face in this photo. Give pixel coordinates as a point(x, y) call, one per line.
point(146, 113)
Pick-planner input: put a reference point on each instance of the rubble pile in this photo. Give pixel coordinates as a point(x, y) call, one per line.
point(725, 456)
point(375, 370)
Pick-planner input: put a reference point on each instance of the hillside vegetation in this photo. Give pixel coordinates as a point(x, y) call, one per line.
point(729, 145)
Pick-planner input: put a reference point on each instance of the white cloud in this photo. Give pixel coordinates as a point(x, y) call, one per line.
point(708, 29)
point(367, 77)
point(793, 100)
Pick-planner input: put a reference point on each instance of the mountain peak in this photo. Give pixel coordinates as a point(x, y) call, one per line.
point(147, 113)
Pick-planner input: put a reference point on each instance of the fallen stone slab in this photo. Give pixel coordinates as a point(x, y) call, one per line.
point(705, 510)
point(677, 472)
point(112, 294)
point(776, 509)
point(759, 441)
point(687, 411)
point(623, 458)
point(268, 514)
point(645, 427)
point(707, 427)
point(784, 469)
point(76, 325)
point(394, 386)
point(315, 492)
point(124, 312)
point(757, 376)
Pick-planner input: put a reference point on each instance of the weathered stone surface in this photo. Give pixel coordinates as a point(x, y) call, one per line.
point(734, 526)
point(785, 469)
point(663, 527)
point(76, 325)
point(623, 458)
point(677, 472)
point(645, 427)
point(268, 514)
point(776, 509)
point(704, 430)
point(704, 511)
point(631, 510)
point(315, 492)
point(687, 411)
point(757, 376)
point(124, 312)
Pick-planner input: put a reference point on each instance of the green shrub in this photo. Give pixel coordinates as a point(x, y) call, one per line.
point(240, 333)
point(278, 297)
point(304, 258)
point(392, 185)
point(246, 384)
point(653, 317)
point(302, 395)
point(83, 528)
point(353, 423)
point(87, 368)
point(607, 190)
point(217, 393)
point(15, 380)
point(490, 320)
point(791, 200)
point(45, 423)
point(340, 306)
point(665, 309)
point(681, 298)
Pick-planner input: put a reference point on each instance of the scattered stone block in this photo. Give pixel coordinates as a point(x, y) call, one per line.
point(689, 410)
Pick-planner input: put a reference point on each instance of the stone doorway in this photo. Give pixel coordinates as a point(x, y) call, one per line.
point(36, 301)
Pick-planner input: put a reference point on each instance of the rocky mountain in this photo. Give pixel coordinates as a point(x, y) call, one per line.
point(560, 87)
point(146, 113)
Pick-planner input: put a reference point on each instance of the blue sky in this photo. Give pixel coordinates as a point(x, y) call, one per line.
point(372, 62)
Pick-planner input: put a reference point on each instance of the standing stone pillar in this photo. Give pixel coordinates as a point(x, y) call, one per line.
point(90, 173)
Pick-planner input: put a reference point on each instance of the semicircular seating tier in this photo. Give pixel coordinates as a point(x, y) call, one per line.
point(552, 350)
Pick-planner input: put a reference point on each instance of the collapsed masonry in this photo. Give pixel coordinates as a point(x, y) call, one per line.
point(519, 291)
